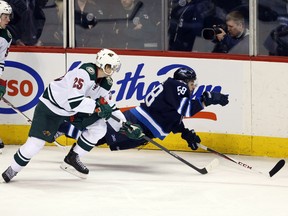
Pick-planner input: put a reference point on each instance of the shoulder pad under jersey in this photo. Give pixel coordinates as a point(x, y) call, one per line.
point(91, 69)
point(5, 33)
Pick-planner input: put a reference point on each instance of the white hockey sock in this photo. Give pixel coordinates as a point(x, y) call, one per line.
point(15, 166)
point(26, 152)
point(80, 151)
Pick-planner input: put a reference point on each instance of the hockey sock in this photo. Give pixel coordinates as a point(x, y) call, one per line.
point(89, 137)
point(26, 152)
point(83, 146)
point(80, 151)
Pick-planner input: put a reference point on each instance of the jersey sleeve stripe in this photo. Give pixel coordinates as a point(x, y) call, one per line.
point(78, 98)
point(74, 102)
point(149, 122)
point(48, 95)
point(185, 107)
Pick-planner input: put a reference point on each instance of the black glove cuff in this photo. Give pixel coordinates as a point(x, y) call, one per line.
point(206, 98)
point(185, 132)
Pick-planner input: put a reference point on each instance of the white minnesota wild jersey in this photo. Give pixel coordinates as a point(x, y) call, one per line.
point(76, 91)
point(5, 42)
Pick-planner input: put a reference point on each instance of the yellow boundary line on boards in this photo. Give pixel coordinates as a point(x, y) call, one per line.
point(224, 143)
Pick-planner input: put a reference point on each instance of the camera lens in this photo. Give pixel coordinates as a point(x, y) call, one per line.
point(90, 17)
point(208, 33)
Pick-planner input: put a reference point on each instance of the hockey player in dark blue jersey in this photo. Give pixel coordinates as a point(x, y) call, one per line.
point(161, 113)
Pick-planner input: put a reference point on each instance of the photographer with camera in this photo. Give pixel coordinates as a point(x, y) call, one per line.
point(231, 39)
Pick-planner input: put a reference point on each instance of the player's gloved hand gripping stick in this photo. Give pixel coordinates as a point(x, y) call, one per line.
point(103, 109)
point(191, 138)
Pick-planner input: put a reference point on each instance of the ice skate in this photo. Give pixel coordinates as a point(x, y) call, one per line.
point(8, 174)
point(73, 165)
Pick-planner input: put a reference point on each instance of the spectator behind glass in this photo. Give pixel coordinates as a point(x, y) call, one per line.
point(235, 38)
point(187, 19)
point(29, 19)
point(53, 30)
point(141, 31)
point(276, 43)
point(88, 32)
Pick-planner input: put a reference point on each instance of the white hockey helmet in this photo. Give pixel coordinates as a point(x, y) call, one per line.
point(5, 8)
point(108, 57)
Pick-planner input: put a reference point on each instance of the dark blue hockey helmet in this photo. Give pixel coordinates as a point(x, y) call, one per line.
point(185, 74)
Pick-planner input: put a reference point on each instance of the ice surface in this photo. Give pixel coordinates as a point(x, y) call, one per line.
point(142, 183)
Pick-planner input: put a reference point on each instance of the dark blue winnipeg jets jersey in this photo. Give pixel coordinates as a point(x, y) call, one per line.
point(165, 107)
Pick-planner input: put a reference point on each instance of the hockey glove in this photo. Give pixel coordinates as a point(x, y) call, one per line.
point(2, 87)
point(214, 98)
point(132, 131)
point(191, 138)
point(103, 109)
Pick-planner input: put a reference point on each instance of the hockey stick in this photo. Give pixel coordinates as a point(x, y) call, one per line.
point(271, 173)
point(27, 118)
point(204, 170)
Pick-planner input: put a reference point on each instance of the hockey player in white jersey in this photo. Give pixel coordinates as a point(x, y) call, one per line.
point(80, 90)
point(5, 41)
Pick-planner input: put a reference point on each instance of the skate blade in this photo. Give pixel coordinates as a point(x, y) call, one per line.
point(2, 180)
point(70, 169)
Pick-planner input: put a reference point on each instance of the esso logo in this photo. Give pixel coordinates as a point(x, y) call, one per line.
point(23, 82)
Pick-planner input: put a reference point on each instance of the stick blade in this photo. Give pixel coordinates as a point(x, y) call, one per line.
point(212, 165)
point(277, 167)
